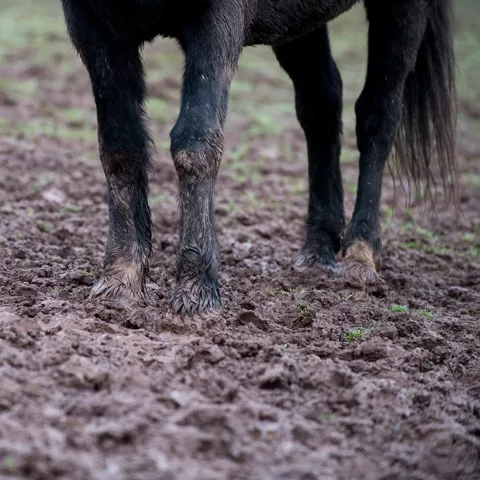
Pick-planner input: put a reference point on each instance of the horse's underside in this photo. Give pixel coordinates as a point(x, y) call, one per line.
point(407, 102)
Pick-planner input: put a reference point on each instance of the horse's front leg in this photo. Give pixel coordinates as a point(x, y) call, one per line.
point(116, 73)
point(212, 48)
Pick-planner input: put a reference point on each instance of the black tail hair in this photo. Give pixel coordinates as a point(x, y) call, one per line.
point(425, 142)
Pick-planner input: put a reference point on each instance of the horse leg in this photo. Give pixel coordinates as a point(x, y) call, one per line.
point(318, 93)
point(212, 48)
point(116, 74)
point(395, 34)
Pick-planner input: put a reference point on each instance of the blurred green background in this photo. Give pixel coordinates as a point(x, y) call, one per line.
point(37, 62)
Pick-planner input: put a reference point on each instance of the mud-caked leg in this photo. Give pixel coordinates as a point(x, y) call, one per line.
point(212, 49)
point(318, 92)
point(116, 74)
point(395, 34)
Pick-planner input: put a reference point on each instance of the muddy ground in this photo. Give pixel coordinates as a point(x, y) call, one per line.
point(302, 376)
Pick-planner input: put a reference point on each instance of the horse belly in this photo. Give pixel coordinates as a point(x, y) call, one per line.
point(277, 21)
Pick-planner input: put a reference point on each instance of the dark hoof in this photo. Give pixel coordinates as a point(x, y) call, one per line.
point(359, 265)
point(127, 286)
point(314, 258)
point(196, 296)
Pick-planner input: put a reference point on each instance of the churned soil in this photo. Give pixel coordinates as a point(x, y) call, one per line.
point(300, 377)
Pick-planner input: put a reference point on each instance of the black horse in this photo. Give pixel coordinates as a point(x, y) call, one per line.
point(408, 102)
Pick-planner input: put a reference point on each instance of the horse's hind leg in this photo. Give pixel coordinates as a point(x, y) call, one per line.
point(318, 92)
point(117, 80)
point(212, 47)
point(395, 34)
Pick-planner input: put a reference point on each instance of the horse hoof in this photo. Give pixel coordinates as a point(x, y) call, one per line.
point(129, 291)
point(358, 273)
point(195, 297)
point(318, 258)
point(360, 265)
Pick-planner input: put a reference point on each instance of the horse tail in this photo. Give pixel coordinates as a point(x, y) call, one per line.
point(425, 143)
